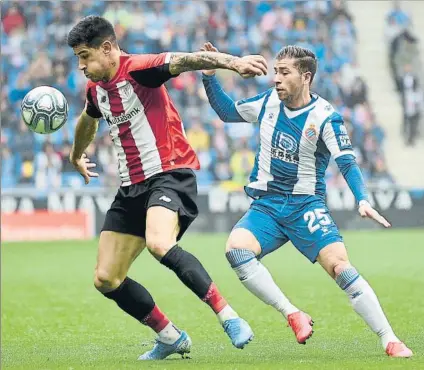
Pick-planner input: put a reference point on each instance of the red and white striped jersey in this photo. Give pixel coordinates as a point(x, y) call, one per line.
point(144, 124)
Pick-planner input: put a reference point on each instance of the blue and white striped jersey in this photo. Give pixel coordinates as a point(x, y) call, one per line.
point(295, 144)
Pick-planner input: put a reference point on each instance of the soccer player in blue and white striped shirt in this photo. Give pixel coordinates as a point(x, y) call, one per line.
point(299, 132)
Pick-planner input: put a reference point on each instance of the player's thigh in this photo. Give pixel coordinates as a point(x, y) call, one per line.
point(310, 226)
point(333, 258)
point(162, 229)
point(257, 231)
point(115, 255)
point(171, 208)
point(127, 214)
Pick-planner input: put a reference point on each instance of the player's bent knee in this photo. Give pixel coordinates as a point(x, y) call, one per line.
point(243, 239)
point(339, 266)
point(158, 247)
point(333, 258)
point(105, 282)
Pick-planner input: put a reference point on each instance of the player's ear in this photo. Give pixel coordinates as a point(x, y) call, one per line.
point(106, 47)
point(307, 78)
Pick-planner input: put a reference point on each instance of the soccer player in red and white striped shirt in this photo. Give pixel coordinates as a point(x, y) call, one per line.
point(157, 199)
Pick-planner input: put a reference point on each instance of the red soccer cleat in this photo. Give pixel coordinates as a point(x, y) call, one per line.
point(301, 324)
point(398, 349)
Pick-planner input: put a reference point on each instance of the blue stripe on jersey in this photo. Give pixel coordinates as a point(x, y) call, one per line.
point(286, 134)
point(296, 147)
point(322, 157)
point(255, 170)
point(334, 116)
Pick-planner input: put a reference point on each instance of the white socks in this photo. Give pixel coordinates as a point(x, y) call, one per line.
point(366, 304)
point(227, 313)
point(169, 334)
point(257, 279)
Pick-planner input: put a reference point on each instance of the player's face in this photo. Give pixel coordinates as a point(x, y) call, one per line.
point(289, 81)
point(94, 62)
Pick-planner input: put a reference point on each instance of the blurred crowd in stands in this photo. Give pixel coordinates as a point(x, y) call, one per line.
point(406, 70)
point(34, 52)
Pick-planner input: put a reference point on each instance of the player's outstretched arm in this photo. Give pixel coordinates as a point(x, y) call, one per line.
point(353, 176)
point(85, 132)
point(248, 66)
point(338, 143)
point(246, 110)
point(221, 103)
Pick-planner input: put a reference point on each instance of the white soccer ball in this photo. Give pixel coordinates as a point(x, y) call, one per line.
point(44, 109)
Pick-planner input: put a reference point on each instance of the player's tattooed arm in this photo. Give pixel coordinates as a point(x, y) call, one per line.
point(248, 66)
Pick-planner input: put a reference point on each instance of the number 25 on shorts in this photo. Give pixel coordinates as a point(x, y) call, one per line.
point(316, 218)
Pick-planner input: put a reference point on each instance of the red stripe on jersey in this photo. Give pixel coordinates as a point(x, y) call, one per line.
point(128, 143)
point(93, 92)
point(165, 122)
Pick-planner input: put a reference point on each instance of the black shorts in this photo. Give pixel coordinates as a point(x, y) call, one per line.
point(175, 190)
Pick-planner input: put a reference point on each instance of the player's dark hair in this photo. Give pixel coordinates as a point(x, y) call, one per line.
point(306, 61)
point(91, 31)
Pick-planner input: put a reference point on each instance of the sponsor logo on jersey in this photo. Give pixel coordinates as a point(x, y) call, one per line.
point(285, 148)
point(343, 130)
point(287, 142)
point(123, 117)
point(284, 155)
point(345, 142)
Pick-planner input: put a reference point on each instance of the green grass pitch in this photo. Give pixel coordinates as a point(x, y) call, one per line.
point(52, 317)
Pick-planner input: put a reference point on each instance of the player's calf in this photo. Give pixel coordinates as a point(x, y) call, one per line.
point(252, 273)
point(161, 237)
point(191, 272)
point(362, 297)
point(241, 252)
point(136, 301)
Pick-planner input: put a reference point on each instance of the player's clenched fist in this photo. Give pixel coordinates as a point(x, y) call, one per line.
point(83, 165)
point(251, 65)
point(248, 66)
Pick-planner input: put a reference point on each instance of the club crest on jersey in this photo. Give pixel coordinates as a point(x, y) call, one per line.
point(271, 116)
point(127, 90)
point(311, 132)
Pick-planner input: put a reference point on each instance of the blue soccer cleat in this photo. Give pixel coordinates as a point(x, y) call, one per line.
point(161, 350)
point(239, 332)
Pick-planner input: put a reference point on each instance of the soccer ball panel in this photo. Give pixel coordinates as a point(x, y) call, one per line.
point(40, 125)
point(44, 110)
point(45, 102)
